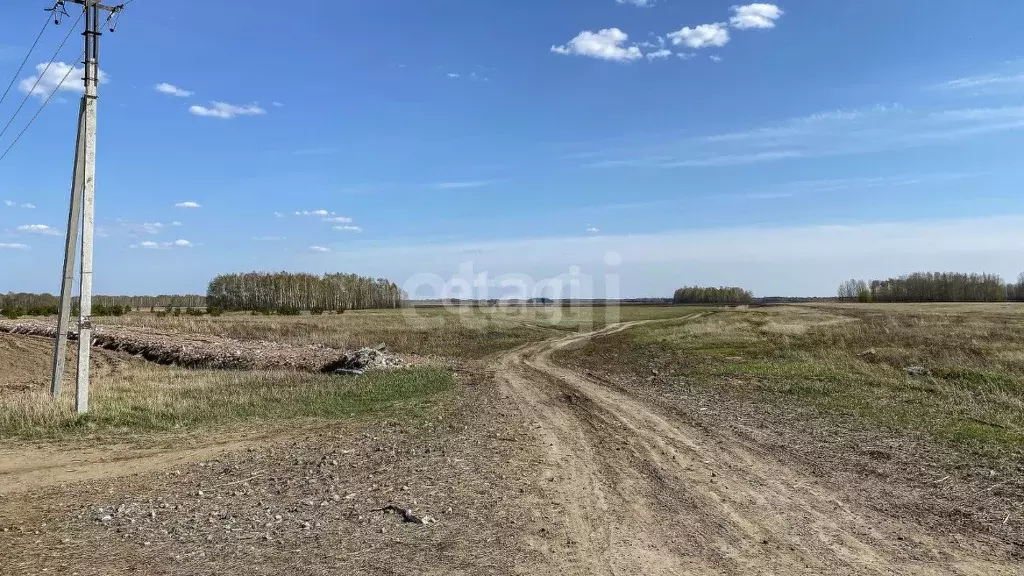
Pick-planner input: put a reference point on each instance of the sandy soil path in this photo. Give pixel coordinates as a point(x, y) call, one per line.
point(645, 494)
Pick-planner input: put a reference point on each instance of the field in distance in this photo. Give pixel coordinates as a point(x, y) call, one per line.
point(470, 332)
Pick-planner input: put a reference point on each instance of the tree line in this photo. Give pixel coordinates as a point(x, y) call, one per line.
point(24, 304)
point(45, 304)
point(284, 291)
point(934, 287)
point(708, 295)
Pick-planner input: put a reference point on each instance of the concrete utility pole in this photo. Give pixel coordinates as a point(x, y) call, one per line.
point(83, 194)
point(70, 244)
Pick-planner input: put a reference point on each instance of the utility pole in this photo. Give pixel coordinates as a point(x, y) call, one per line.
point(83, 194)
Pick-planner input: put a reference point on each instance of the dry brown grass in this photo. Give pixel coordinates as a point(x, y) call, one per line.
point(828, 386)
point(459, 333)
point(852, 360)
point(130, 395)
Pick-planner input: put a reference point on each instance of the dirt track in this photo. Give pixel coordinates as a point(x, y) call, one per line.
point(649, 495)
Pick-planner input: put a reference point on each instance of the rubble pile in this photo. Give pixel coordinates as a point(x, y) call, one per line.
point(359, 361)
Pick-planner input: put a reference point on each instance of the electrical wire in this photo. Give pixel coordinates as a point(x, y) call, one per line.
point(27, 56)
point(32, 90)
point(39, 111)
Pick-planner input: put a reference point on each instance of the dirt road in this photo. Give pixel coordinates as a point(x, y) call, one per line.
point(646, 494)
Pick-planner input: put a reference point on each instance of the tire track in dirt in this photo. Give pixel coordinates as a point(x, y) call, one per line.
point(33, 468)
point(645, 494)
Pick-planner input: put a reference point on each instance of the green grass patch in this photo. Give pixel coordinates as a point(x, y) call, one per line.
point(159, 399)
point(850, 363)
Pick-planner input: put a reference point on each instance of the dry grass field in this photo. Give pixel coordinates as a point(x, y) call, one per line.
point(452, 333)
point(829, 386)
point(632, 440)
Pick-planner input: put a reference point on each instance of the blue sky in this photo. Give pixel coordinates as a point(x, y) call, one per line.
point(782, 147)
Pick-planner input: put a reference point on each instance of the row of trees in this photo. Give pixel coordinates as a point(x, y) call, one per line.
point(28, 301)
point(25, 304)
point(934, 287)
point(301, 291)
point(706, 295)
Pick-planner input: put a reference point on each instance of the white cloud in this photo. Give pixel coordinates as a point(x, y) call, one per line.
point(278, 215)
point(188, 204)
point(686, 55)
point(28, 206)
point(339, 220)
point(348, 228)
point(985, 84)
point(320, 212)
point(715, 58)
point(659, 42)
point(593, 229)
point(606, 44)
point(454, 75)
point(39, 229)
point(49, 79)
point(276, 104)
point(461, 185)
point(716, 34)
point(268, 238)
point(734, 159)
point(663, 53)
point(165, 88)
point(639, 3)
point(226, 111)
point(150, 245)
point(9, 203)
point(757, 15)
point(830, 133)
point(320, 249)
point(14, 246)
point(175, 223)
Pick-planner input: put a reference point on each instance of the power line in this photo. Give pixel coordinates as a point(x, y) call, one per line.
point(71, 29)
point(39, 111)
point(27, 56)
